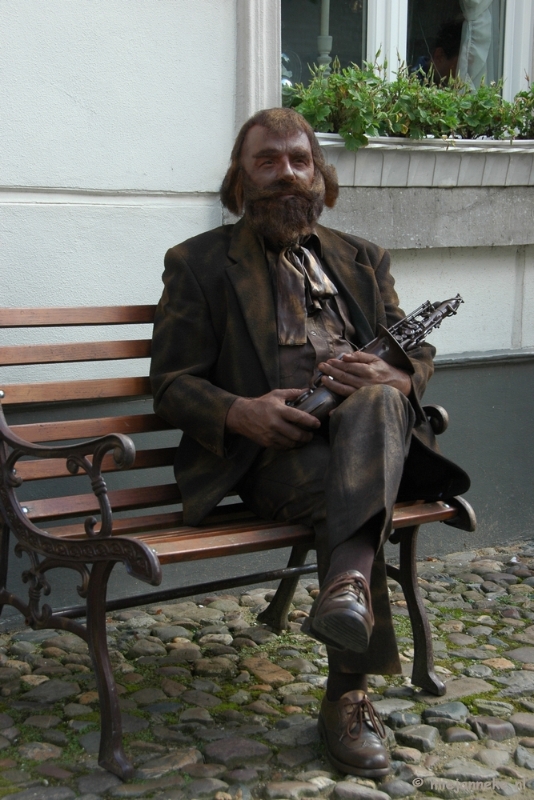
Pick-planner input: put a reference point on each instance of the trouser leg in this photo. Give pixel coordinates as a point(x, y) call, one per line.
point(370, 436)
point(336, 487)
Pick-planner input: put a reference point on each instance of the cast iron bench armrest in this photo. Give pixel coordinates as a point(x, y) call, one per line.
point(139, 560)
point(121, 447)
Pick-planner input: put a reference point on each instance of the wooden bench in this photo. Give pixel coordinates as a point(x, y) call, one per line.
point(82, 429)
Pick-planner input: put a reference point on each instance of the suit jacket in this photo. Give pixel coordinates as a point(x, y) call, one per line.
point(215, 338)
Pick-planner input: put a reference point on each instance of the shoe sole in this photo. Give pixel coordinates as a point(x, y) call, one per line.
point(348, 768)
point(344, 631)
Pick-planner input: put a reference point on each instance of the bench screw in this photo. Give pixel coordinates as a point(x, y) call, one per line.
point(2, 394)
point(24, 510)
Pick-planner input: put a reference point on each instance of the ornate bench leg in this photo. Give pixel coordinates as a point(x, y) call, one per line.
point(275, 615)
point(111, 756)
point(423, 666)
point(4, 561)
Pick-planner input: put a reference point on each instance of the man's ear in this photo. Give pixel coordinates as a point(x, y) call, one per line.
point(232, 194)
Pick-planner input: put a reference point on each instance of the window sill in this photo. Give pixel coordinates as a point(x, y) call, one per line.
point(432, 163)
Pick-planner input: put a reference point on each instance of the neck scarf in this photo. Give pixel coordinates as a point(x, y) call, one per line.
point(302, 287)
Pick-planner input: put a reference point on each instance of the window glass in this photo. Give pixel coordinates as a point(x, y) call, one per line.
point(462, 38)
point(303, 21)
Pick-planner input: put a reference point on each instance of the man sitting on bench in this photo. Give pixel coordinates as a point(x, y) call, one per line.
point(249, 313)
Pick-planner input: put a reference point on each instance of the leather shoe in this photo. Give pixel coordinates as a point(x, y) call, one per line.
point(352, 733)
point(342, 616)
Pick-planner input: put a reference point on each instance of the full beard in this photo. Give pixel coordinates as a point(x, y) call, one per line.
point(280, 219)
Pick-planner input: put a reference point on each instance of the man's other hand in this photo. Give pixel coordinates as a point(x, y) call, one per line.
point(362, 369)
point(269, 422)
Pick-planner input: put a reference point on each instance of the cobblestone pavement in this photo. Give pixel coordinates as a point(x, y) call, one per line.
point(215, 706)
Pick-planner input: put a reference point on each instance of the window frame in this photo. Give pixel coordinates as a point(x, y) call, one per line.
point(518, 58)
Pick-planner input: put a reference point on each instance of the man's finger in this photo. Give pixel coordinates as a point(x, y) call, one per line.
point(356, 357)
point(300, 418)
point(352, 376)
point(288, 394)
point(344, 389)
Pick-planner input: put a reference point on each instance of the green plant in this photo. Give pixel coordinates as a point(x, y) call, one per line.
point(524, 109)
point(359, 102)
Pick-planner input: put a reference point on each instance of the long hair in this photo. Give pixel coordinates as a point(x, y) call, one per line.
point(281, 122)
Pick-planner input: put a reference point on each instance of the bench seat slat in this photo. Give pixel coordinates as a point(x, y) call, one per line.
point(85, 315)
point(65, 430)
point(81, 351)
point(223, 538)
point(75, 390)
point(56, 467)
point(156, 527)
point(231, 542)
point(420, 514)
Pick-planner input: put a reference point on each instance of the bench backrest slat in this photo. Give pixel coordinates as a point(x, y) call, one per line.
point(55, 508)
point(83, 351)
point(63, 430)
point(85, 315)
point(56, 467)
point(75, 390)
point(121, 527)
point(41, 469)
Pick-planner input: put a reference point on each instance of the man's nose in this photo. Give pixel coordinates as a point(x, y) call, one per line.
point(286, 169)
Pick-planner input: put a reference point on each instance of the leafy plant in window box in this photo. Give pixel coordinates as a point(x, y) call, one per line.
point(358, 102)
point(524, 103)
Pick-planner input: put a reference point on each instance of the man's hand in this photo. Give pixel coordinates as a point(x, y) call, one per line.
point(362, 369)
point(269, 422)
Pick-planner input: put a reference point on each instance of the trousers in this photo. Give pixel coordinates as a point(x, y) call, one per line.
point(343, 479)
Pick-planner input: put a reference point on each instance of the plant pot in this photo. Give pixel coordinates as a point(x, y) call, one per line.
point(440, 163)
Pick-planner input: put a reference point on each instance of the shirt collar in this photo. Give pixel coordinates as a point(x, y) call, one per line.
point(311, 242)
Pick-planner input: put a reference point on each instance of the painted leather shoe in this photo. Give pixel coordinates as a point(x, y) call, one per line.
point(353, 735)
point(342, 616)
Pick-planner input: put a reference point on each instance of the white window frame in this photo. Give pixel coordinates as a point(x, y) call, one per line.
point(518, 46)
point(258, 63)
point(387, 32)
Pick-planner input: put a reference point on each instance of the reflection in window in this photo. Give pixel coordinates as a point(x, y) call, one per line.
point(316, 31)
point(462, 38)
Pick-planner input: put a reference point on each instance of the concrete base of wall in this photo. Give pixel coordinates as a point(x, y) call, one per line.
point(426, 217)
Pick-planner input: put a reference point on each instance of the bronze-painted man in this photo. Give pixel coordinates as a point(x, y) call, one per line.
point(248, 315)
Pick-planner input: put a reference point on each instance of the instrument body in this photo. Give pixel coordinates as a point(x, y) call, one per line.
point(391, 345)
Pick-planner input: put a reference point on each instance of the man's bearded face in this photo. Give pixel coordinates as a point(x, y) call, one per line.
point(285, 210)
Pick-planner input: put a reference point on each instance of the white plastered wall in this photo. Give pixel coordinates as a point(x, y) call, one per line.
point(117, 121)
point(496, 283)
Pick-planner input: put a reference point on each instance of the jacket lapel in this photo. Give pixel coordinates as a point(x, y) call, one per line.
point(249, 276)
point(354, 280)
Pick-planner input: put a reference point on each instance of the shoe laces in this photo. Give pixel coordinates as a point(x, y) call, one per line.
point(361, 713)
point(355, 580)
point(361, 586)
